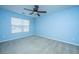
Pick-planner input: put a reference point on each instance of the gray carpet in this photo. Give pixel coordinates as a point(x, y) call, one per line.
point(37, 45)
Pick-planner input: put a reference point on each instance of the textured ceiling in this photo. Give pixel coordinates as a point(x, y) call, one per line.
point(49, 8)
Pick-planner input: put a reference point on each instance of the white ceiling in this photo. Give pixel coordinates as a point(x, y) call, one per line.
point(20, 8)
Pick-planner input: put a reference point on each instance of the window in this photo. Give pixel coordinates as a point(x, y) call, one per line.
point(19, 25)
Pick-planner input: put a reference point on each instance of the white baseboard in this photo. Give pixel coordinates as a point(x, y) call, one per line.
point(48, 37)
point(15, 38)
point(45, 36)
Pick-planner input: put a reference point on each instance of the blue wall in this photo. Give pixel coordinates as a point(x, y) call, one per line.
point(0, 26)
point(62, 26)
point(5, 22)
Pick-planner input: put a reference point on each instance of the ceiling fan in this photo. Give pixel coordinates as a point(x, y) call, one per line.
point(35, 10)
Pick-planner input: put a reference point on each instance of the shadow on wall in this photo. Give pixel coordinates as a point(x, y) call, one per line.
point(6, 25)
point(62, 25)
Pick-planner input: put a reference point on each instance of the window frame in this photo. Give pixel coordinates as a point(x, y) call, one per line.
point(23, 26)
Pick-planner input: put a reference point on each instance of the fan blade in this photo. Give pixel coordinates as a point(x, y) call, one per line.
point(27, 9)
point(42, 11)
point(38, 14)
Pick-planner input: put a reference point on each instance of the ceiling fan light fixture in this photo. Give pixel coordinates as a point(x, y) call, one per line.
point(35, 11)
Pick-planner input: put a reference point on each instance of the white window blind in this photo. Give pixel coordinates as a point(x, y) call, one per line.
point(19, 25)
